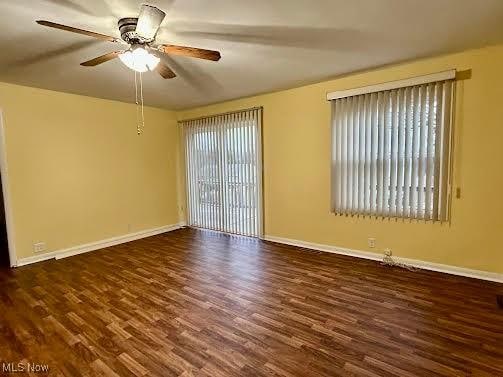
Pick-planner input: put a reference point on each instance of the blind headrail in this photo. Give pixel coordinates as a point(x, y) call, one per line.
point(221, 114)
point(418, 80)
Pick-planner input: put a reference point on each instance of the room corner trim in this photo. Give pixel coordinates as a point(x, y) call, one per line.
point(85, 248)
point(452, 270)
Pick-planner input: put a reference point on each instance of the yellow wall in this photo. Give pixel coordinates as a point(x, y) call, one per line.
point(79, 173)
point(297, 167)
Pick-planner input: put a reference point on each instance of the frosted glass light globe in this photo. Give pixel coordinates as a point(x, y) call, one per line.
point(139, 60)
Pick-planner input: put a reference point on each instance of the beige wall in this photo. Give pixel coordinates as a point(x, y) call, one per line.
point(79, 173)
point(297, 160)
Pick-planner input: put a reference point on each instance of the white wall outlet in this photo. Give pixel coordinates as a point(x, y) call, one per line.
point(388, 252)
point(39, 247)
point(372, 242)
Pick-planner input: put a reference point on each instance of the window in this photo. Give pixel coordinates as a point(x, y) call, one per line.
point(391, 149)
point(223, 172)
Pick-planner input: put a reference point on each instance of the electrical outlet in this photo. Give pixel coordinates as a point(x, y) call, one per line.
point(39, 247)
point(388, 252)
point(372, 242)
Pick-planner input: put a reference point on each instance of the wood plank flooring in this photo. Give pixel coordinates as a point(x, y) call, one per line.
point(193, 302)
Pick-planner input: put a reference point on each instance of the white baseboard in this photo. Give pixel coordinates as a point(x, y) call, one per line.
point(74, 250)
point(453, 270)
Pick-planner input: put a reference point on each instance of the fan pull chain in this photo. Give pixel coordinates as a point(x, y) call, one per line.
point(141, 96)
point(140, 123)
point(137, 104)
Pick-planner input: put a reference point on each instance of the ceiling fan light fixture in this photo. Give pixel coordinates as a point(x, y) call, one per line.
point(139, 60)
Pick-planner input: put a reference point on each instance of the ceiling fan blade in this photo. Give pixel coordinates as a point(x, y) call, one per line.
point(191, 52)
point(101, 59)
point(165, 71)
point(78, 31)
point(149, 20)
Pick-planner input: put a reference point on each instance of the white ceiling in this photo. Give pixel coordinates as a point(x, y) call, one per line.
point(265, 44)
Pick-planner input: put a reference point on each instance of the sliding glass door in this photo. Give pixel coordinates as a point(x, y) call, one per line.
point(224, 172)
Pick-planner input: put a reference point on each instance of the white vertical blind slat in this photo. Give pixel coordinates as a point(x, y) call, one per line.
point(242, 168)
point(361, 156)
point(250, 172)
point(373, 153)
point(409, 139)
point(388, 98)
point(353, 185)
point(245, 167)
point(394, 151)
point(380, 157)
point(195, 174)
point(239, 130)
point(401, 151)
point(256, 179)
point(342, 173)
point(334, 169)
point(437, 163)
point(204, 173)
point(216, 175)
point(214, 196)
point(220, 151)
point(227, 165)
point(236, 173)
point(195, 191)
point(349, 161)
point(422, 151)
point(430, 149)
point(415, 154)
point(233, 177)
point(367, 158)
point(199, 175)
point(355, 163)
point(247, 173)
point(209, 175)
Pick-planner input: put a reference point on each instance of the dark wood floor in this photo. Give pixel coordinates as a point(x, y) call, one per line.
point(201, 303)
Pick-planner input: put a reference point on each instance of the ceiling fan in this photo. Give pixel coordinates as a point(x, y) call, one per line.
point(138, 34)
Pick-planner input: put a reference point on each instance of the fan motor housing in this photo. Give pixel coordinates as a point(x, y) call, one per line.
point(127, 28)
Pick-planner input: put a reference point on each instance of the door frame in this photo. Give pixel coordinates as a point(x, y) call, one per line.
point(6, 194)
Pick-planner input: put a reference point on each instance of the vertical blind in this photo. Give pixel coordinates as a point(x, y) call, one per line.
point(391, 152)
point(223, 172)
